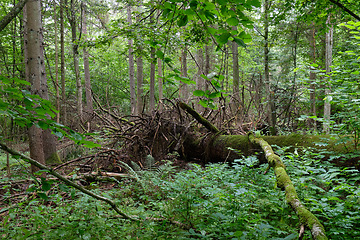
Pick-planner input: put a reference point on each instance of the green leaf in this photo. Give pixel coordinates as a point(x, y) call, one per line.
point(255, 3)
point(58, 134)
point(245, 37)
point(89, 144)
point(63, 187)
point(203, 103)
point(45, 186)
point(184, 79)
point(233, 21)
point(182, 21)
point(43, 196)
point(31, 188)
point(221, 2)
point(223, 38)
point(159, 54)
point(76, 135)
point(215, 95)
point(240, 42)
point(198, 93)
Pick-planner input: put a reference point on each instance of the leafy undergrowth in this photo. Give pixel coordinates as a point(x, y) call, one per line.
point(215, 202)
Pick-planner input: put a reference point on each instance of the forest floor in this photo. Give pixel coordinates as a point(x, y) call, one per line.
point(142, 169)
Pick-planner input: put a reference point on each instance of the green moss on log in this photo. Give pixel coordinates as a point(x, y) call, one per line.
point(283, 181)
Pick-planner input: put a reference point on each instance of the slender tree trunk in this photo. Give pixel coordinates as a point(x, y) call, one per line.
point(160, 83)
point(62, 64)
point(271, 95)
point(328, 63)
point(14, 47)
point(152, 79)
point(131, 68)
point(56, 66)
point(88, 93)
point(200, 83)
point(312, 77)
point(75, 47)
point(152, 74)
point(236, 77)
point(207, 61)
point(139, 78)
point(184, 88)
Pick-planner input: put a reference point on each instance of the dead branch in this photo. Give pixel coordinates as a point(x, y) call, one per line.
point(66, 181)
point(199, 118)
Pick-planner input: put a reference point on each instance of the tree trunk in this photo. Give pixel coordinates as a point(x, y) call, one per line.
point(88, 93)
point(62, 64)
point(56, 66)
point(200, 82)
point(41, 143)
point(131, 68)
point(328, 63)
point(152, 80)
point(271, 95)
point(312, 77)
point(236, 78)
point(184, 88)
point(160, 83)
point(139, 78)
point(75, 47)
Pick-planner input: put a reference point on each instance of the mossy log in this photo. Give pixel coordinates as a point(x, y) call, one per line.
point(218, 147)
point(283, 181)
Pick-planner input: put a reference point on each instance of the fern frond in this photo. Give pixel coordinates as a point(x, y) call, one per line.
point(130, 170)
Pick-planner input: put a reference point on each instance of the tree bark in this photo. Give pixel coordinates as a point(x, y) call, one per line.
point(236, 77)
point(200, 82)
point(312, 77)
point(56, 66)
point(139, 78)
point(41, 143)
point(328, 63)
point(184, 88)
point(152, 80)
point(88, 93)
point(62, 64)
point(160, 83)
point(131, 68)
point(32, 31)
point(75, 48)
point(271, 95)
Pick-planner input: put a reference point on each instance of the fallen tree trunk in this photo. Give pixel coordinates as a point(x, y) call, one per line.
point(226, 148)
point(283, 181)
point(216, 147)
